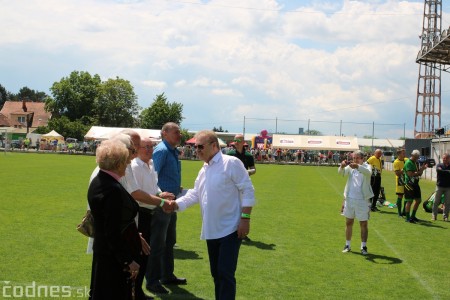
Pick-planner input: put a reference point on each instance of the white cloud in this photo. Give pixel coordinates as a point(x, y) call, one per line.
point(296, 60)
point(160, 85)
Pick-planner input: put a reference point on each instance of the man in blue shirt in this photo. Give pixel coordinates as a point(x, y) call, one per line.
point(160, 267)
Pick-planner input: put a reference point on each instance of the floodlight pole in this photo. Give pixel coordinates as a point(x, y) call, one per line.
point(243, 131)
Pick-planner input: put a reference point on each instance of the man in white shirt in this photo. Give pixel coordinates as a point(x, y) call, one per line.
point(226, 197)
point(357, 193)
point(147, 181)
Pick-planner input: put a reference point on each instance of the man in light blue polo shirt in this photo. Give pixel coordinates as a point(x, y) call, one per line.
point(160, 268)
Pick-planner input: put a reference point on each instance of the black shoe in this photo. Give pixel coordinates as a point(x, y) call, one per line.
point(415, 219)
point(410, 221)
point(374, 209)
point(174, 281)
point(364, 251)
point(157, 289)
point(346, 249)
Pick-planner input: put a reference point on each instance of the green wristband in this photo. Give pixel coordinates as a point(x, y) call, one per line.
point(245, 216)
point(162, 202)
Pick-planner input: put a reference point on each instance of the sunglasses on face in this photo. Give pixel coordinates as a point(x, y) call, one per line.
point(237, 140)
point(200, 146)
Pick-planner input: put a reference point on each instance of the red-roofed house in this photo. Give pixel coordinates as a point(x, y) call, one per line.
point(15, 115)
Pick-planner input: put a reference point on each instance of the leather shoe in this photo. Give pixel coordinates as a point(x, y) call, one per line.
point(157, 289)
point(174, 281)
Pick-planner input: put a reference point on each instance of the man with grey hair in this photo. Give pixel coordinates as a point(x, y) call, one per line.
point(412, 173)
point(375, 179)
point(442, 187)
point(226, 197)
point(357, 194)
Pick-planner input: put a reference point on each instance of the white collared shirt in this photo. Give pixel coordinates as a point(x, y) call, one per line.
point(146, 178)
point(222, 188)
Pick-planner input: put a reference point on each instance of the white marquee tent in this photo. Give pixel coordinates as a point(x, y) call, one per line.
point(103, 133)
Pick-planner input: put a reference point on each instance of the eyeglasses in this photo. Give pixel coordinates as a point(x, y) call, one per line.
point(237, 140)
point(133, 151)
point(148, 147)
point(201, 147)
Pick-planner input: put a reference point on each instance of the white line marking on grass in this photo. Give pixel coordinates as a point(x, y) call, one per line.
point(411, 269)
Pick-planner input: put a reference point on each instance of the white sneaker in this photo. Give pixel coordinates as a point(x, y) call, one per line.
point(346, 249)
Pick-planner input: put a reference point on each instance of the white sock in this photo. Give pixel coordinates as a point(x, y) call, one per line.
point(347, 243)
point(363, 244)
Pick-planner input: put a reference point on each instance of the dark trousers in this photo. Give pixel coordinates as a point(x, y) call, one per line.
point(144, 227)
point(223, 257)
point(162, 240)
point(375, 182)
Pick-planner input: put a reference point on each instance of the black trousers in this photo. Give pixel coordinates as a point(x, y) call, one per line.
point(144, 227)
point(375, 182)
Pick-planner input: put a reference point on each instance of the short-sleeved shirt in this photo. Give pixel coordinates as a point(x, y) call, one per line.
point(412, 166)
point(376, 165)
point(168, 167)
point(245, 157)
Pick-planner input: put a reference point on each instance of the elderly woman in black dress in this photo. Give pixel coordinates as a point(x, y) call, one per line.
point(117, 244)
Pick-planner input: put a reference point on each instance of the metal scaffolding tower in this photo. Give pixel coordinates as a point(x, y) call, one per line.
point(428, 103)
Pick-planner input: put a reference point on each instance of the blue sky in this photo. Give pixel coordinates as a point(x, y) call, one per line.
point(283, 65)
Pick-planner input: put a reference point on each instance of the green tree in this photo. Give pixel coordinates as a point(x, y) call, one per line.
point(185, 136)
point(368, 137)
point(74, 96)
point(161, 112)
point(219, 129)
point(65, 127)
point(3, 95)
point(116, 104)
point(31, 95)
point(313, 132)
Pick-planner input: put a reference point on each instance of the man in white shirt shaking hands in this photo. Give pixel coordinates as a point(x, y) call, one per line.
point(226, 197)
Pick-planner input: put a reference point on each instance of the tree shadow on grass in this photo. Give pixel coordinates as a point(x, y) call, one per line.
point(383, 259)
point(259, 245)
point(178, 292)
point(184, 254)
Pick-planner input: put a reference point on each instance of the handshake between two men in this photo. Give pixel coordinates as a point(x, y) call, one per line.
point(168, 203)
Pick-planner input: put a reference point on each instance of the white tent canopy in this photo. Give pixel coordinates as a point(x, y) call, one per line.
point(310, 142)
point(52, 134)
point(103, 133)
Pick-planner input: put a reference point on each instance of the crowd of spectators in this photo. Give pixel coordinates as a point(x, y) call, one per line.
point(278, 155)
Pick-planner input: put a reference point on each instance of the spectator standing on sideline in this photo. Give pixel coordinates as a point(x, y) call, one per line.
point(375, 180)
point(357, 193)
point(240, 152)
point(399, 163)
point(147, 180)
point(226, 197)
point(165, 160)
point(412, 173)
point(442, 187)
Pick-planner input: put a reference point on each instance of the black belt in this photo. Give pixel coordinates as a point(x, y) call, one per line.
point(145, 210)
